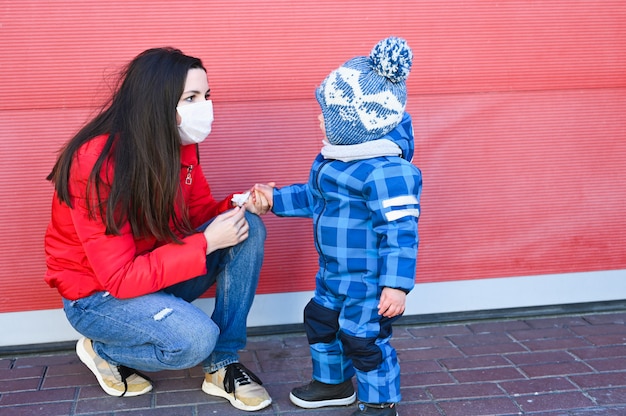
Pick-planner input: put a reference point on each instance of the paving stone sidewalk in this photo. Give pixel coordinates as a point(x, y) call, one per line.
point(572, 365)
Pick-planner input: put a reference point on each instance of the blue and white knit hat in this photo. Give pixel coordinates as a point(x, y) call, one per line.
point(365, 98)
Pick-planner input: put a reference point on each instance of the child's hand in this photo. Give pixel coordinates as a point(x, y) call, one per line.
point(392, 302)
point(257, 203)
point(265, 192)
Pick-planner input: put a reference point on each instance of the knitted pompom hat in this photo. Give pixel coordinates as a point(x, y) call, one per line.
point(365, 98)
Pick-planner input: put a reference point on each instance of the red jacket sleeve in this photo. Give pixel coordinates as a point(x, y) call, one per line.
point(123, 271)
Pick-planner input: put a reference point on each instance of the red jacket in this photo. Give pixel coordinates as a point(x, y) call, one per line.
point(81, 259)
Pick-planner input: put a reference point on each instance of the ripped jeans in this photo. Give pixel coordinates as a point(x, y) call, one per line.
point(163, 330)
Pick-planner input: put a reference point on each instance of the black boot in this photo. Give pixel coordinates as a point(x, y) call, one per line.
point(317, 394)
point(376, 409)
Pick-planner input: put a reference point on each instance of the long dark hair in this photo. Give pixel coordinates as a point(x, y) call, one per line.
point(143, 145)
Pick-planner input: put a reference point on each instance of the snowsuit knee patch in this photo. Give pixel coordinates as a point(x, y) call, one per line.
point(321, 324)
point(364, 353)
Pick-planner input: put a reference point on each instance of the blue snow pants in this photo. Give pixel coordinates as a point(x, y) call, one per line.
point(346, 337)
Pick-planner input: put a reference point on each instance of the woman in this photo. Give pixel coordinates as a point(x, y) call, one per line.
point(128, 246)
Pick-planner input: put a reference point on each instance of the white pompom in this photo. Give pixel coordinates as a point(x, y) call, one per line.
point(392, 58)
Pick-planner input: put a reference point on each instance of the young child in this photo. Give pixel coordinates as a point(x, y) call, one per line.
point(363, 195)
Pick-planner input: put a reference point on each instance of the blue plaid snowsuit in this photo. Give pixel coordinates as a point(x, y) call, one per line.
point(365, 215)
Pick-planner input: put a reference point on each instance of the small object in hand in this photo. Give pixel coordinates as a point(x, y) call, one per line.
point(240, 199)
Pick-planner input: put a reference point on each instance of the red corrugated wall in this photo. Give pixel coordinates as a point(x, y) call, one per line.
point(518, 109)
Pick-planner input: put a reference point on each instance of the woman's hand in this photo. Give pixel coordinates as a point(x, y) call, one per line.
point(227, 230)
point(257, 202)
point(392, 302)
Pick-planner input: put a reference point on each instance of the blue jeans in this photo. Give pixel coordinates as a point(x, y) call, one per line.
point(163, 330)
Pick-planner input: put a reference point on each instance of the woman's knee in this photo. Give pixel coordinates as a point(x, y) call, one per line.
point(257, 231)
point(189, 346)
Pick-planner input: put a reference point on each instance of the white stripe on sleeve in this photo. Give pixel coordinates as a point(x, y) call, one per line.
point(401, 213)
point(400, 200)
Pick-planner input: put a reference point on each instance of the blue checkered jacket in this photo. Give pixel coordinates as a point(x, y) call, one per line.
point(365, 215)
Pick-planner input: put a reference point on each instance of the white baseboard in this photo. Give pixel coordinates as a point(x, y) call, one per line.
point(48, 326)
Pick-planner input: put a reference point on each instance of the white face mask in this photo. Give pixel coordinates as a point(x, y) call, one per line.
point(196, 120)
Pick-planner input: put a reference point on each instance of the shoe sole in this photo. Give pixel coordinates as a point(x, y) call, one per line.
point(213, 390)
point(91, 365)
point(346, 401)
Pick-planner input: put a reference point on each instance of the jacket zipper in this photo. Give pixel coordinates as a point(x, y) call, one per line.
point(318, 184)
point(188, 179)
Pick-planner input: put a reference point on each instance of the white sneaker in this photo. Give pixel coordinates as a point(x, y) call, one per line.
point(240, 386)
point(115, 380)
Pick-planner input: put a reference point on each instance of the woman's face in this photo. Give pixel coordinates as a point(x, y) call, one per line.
point(196, 89)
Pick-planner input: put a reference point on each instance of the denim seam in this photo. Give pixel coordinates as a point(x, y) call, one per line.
point(214, 367)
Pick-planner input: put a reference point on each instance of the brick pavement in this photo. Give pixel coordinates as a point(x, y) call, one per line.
point(572, 365)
